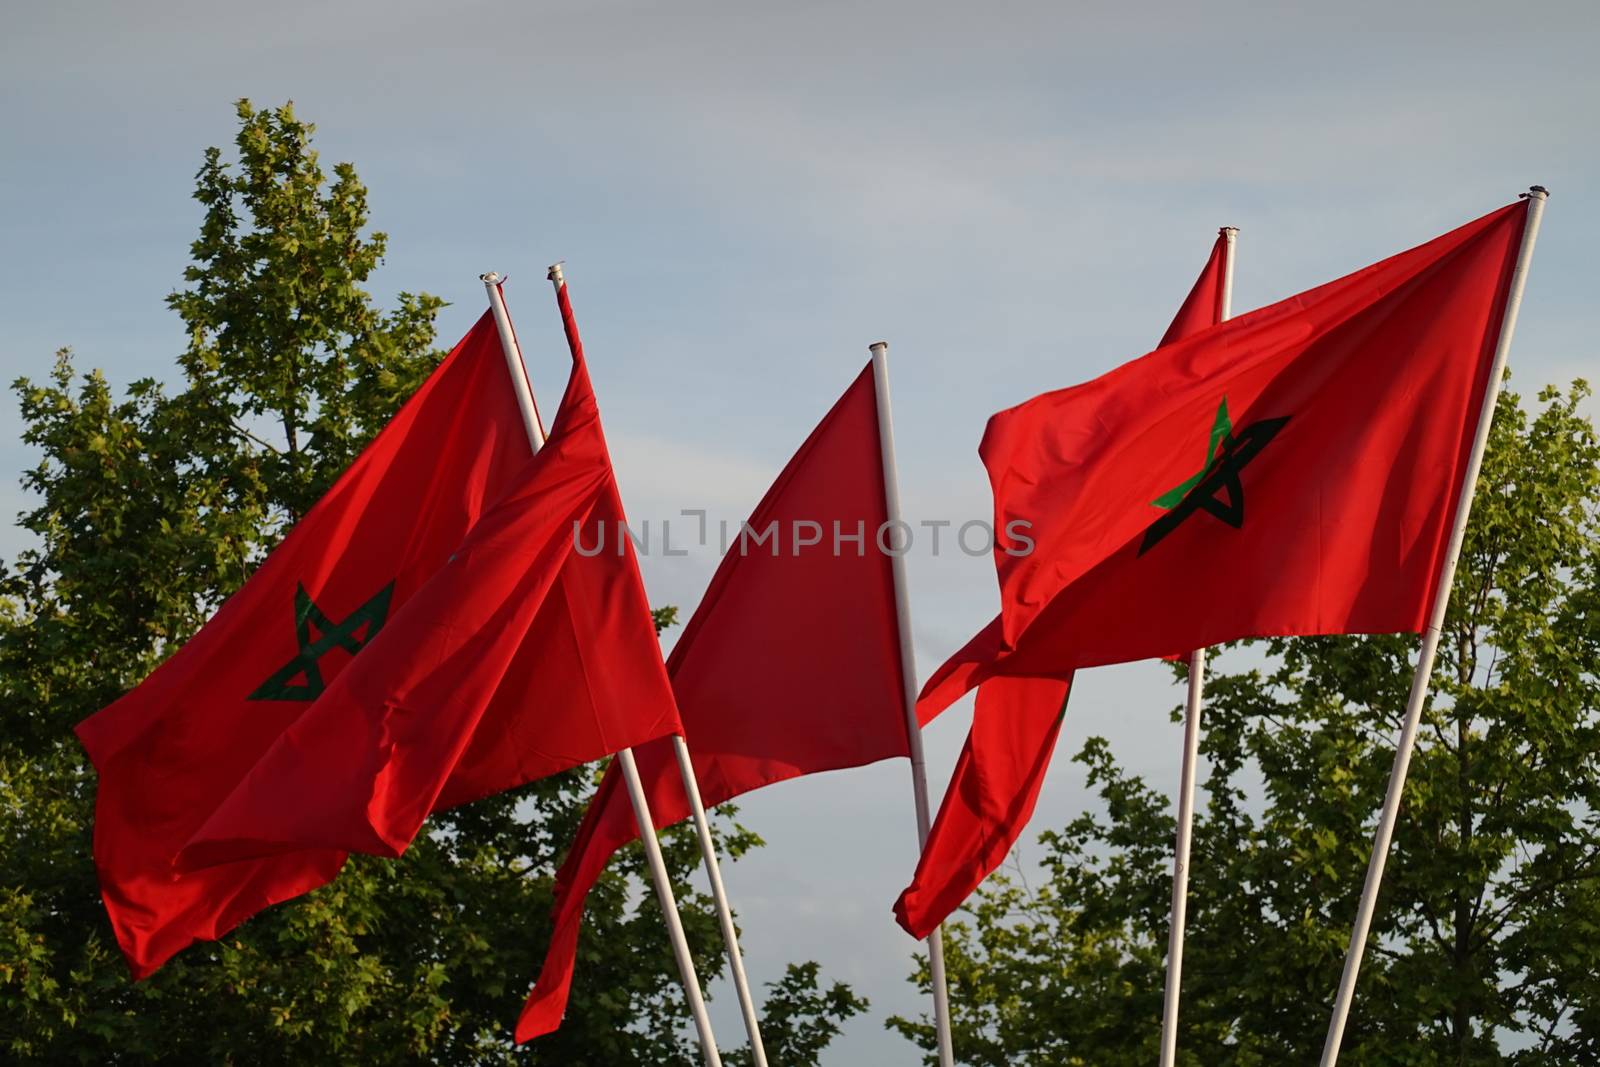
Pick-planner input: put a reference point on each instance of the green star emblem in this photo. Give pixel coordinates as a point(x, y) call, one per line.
point(1217, 489)
point(1221, 430)
point(318, 635)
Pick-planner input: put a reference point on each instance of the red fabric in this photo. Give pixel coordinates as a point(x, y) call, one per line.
point(507, 747)
point(990, 798)
point(1380, 376)
point(364, 766)
point(1015, 723)
point(1200, 311)
point(171, 749)
point(1202, 308)
point(1347, 509)
point(791, 665)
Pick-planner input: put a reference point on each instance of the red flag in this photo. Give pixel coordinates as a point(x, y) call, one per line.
point(791, 665)
point(1339, 425)
point(363, 767)
point(1291, 471)
point(1015, 722)
point(171, 749)
point(1202, 308)
point(990, 797)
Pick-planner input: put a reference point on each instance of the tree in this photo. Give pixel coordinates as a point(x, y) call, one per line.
point(151, 510)
point(1485, 948)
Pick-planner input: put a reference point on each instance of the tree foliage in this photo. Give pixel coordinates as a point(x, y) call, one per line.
point(152, 509)
point(1485, 948)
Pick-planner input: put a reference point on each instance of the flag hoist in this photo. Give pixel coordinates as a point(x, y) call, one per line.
point(1227, 239)
point(652, 847)
point(1536, 197)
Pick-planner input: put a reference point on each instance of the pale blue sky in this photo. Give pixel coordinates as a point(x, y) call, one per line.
point(1016, 197)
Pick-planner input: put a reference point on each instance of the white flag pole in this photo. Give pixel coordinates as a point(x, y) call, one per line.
point(669, 908)
point(908, 673)
point(630, 770)
point(514, 365)
point(730, 933)
point(1191, 758)
point(1536, 197)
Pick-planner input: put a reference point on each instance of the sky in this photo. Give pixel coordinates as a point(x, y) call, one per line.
point(1016, 196)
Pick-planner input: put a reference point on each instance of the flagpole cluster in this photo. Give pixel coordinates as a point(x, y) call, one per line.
point(1536, 196)
point(719, 897)
point(669, 908)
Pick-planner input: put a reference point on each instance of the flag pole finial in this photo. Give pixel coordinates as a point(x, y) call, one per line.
point(1535, 191)
point(1223, 231)
point(554, 273)
point(490, 278)
point(874, 346)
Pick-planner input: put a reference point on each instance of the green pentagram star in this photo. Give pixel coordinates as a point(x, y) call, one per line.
point(1221, 430)
point(1217, 489)
point(346, 634)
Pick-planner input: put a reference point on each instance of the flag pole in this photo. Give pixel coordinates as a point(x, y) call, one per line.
point(630, 770)
point(719, 895)
point(1536, 197)
point(1191, 758)
point(908, 673)
point(512, 351)
point(647, 831)
point(669, 908)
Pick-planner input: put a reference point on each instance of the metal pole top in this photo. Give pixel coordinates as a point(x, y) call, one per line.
point(874, 346)
point(491, 278)
point(1538, 191)
point(1225, 230)
point(554, 273)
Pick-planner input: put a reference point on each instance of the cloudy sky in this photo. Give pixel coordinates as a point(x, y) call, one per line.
point(1016, 196)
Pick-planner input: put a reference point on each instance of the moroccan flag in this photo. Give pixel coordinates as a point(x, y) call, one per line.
point(1292, 471)
point(365, 764)
point(1015, 721)
point(169, 751)
point(791, 665)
